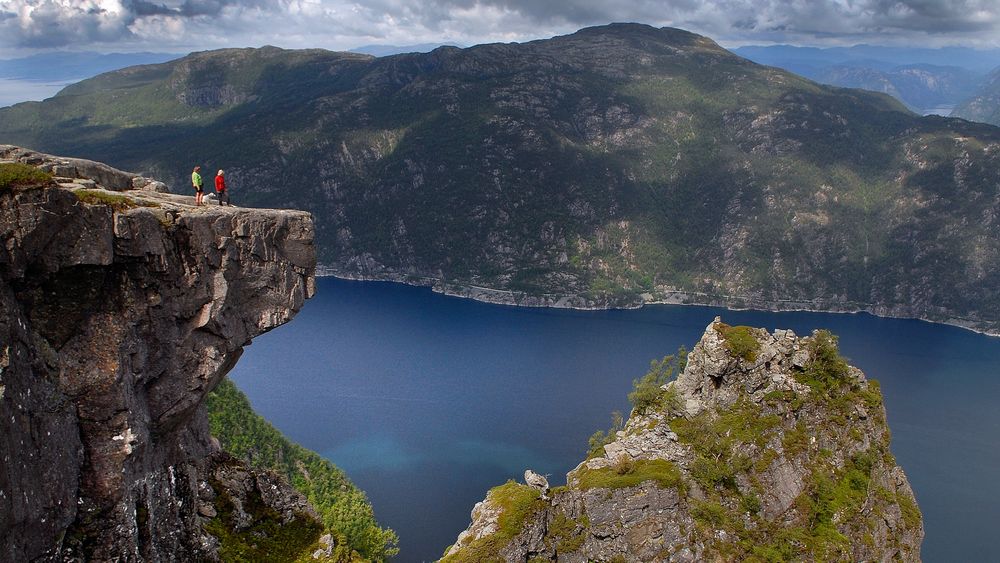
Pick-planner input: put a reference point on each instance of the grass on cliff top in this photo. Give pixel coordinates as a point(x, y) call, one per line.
point(17, 175)
point(628, 473)
point(516, 503)
point(344, 508)
point(740, 341)
point(829, 377)
point(100, 197)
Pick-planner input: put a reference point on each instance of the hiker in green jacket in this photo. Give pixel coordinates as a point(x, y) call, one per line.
point(197, 183)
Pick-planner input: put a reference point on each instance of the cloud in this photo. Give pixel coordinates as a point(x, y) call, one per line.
point(873, 20)
point(55, 23)
point(201, 24)
point(61, 23)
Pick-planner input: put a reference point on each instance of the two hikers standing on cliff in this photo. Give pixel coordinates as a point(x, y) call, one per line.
point(220, 187)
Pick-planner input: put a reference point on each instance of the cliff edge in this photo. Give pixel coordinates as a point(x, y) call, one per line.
point(122, 308)
point(766, 447)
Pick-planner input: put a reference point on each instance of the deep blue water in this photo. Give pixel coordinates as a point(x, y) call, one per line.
point(427, 401)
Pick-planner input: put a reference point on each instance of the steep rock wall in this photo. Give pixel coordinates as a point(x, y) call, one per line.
point(119, 315)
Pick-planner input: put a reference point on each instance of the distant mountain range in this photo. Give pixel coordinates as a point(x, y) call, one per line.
point(984, 105)
point(926, 80)
point(387, 50)
point(805, 58)
point(66, 65)
point(923, 88)
point(616, 165)
point(40, 76)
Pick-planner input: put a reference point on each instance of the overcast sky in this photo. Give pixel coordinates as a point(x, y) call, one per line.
point(27, 26)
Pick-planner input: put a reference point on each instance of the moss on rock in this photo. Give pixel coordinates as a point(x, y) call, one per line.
point(515, 503)
point(15, 175)
point(664, 473)
point(740, 341)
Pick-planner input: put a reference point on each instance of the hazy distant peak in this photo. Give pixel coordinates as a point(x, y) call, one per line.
point(387, 50)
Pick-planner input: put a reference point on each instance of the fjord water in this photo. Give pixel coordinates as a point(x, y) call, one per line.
point(427, 401)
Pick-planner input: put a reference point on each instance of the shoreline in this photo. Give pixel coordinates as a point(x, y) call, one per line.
point(581, 303)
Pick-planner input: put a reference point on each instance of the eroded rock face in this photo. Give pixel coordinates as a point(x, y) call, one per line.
point(766, 444)
point(115, 325)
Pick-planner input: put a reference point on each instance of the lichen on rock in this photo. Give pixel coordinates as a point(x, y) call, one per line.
point(781, 454)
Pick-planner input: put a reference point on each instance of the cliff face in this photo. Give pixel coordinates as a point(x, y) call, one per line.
point(765, 447)
point(121, 310)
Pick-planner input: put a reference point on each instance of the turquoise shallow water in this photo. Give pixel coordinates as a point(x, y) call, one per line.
point(427, 401)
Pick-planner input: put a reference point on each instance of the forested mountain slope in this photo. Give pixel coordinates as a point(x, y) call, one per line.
point(618, 164)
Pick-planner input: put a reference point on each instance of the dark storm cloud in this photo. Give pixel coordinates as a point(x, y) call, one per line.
point(152, 9)
point(937, 16)
point(191, 8)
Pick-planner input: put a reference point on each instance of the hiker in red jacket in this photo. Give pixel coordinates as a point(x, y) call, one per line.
point(220, 188)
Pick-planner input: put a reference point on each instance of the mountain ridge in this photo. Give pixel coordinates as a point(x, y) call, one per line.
point(610, 167)
point(984, 104)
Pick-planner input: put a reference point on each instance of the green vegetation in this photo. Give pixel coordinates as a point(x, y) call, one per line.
point(713, 436)
point(516, 503)
point(599, 439)
point(267, 538)
point(648, 393)
point(629, 474)
point(796, 440)
point(566, 534)
point(911, 512)
point(834, 493)
point(827, 371)
point(709, 513)
point(100, 197)
point(740, 341)
point(828, 376)
point(344, 510)
point(831, 503)
point(14, 175)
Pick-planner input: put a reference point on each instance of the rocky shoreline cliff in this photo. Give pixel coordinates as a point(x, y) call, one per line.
point(122, 308)
point(766, 447)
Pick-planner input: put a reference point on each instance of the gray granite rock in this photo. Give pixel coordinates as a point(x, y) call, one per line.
point(96, 172)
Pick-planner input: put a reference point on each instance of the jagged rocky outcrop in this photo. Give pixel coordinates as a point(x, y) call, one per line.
point(121, 308)
point(765, 447)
